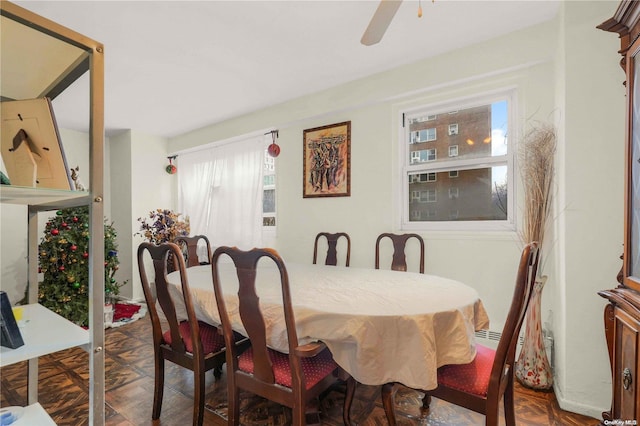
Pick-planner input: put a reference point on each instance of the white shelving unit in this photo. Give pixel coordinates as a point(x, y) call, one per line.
point(43, 332)
point(41, 58)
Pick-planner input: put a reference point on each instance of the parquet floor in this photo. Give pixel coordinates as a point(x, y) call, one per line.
point(129, 392)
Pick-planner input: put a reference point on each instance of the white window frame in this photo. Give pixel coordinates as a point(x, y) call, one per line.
point(458, 163)
point(269, 170)
point(453, 151)
point(453, 129)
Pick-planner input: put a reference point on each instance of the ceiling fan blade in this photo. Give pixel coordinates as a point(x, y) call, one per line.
point(380, 21)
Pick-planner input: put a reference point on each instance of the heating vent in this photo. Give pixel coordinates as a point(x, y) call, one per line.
point(491, 338)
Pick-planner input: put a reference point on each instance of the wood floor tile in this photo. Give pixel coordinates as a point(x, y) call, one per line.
point(129, 366)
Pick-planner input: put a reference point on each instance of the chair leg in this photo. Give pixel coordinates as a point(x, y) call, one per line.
point(158, 386)
point(233, 402)
point(348, 400)
point(298, 414)
point(388, 394)
point(426, 401)
point(509, 406)
point(198, 397)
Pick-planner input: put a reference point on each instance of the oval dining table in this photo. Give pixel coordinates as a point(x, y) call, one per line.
point(381, 326)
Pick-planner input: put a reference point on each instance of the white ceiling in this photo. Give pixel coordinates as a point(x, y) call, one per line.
point(174, 66)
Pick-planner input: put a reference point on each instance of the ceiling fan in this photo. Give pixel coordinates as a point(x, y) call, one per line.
point(380, 21)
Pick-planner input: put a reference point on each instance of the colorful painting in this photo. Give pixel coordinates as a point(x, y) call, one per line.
point(327, 161)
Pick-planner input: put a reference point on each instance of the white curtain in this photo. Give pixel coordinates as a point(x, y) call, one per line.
point(220, 189)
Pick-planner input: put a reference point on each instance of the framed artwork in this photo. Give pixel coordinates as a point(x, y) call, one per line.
point(327, 161)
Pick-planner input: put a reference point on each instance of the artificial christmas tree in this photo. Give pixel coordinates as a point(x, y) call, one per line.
point(63, 261)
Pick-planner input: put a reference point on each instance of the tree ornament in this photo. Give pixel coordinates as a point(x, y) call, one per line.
point(273, 149)
point(54, 231)
point(71, 278)
point(85, 255)
point(75, 219)
point(171, 169)
point(59, 213)
point(76, 285)
point(73, 247)
point(61, 268)
point(64, 224)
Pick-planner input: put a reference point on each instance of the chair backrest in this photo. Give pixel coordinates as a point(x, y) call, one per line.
point(399, 261)
point(250, 313)
point(505, 352)
point(160, 258)
point(332, 250)
point(189, 246)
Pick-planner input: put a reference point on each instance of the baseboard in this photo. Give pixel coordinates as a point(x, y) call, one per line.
point(576, 407)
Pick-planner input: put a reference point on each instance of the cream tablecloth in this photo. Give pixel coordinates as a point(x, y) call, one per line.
point(381, 326)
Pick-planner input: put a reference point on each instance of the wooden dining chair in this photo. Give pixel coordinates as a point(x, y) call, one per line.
point(292, 379)
point(189, 343)
point(332, 250)
point(481, 385)
point(399, 261)
point(189, 246)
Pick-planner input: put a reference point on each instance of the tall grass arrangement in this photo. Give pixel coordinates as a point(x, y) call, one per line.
point(537, 168)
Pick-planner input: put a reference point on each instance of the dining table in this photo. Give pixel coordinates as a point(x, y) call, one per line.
point(380, 325)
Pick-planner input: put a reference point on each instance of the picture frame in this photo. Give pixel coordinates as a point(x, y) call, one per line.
point(327, 161)
point(31, 147)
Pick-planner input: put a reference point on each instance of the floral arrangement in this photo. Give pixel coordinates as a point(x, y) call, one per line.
point(163, 225)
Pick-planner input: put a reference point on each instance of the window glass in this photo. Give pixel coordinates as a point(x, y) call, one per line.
point(470, 181)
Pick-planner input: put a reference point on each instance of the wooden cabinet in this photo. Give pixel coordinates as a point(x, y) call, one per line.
point(42, 59)
point(622, 315)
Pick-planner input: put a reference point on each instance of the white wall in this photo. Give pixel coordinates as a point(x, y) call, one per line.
point(565, 72)
point(590, 202)
point(151, 188)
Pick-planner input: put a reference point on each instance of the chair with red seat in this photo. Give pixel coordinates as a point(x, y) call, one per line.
point(488, 379)
point(188, 342)
point(292, 379)
point(399, 260)
point(332, 250)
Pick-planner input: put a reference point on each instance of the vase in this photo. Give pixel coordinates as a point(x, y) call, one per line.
point(533, 369)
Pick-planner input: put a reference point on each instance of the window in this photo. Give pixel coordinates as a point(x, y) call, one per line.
point(428, 196)
point(423, 155)
point(424, 135)
point(481, 164)
point(269, 192)
point(423, 177)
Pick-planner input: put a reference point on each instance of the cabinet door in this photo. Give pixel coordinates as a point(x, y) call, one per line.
point(631, 268)
point(625, 380)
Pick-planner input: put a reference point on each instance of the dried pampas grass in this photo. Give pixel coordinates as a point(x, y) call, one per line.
point(537, 156)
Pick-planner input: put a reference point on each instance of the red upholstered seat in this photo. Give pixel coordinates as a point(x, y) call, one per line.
point(472, 378)
point(212, 341)
point(315, 368)
point(485, 382)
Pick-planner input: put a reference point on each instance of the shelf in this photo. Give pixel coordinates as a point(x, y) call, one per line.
point(42, 197)
point(43, 332)
point(31, 415)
